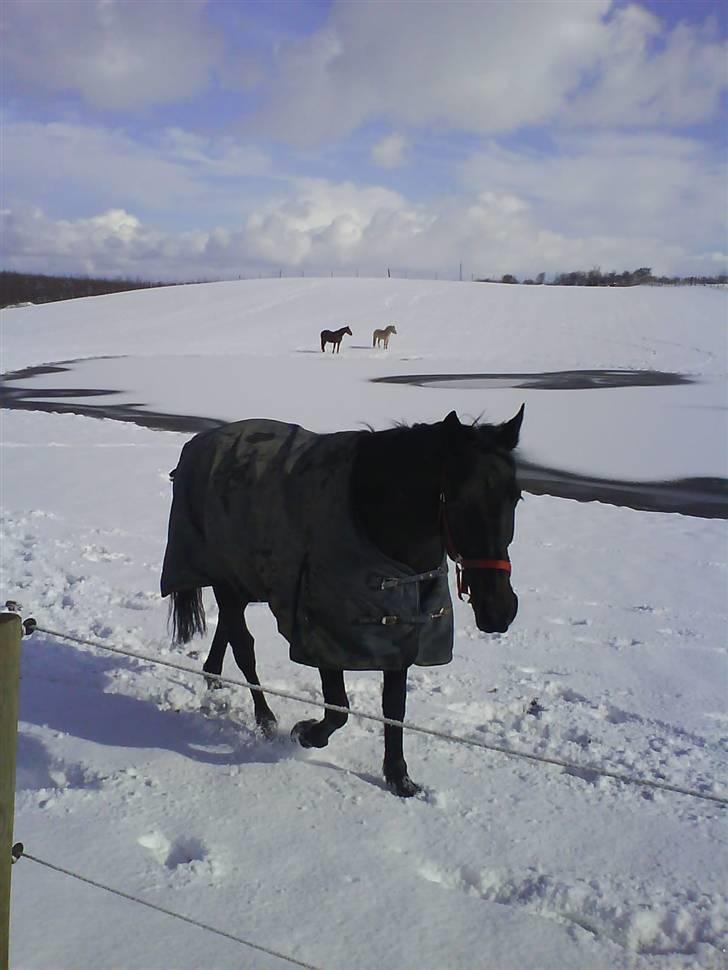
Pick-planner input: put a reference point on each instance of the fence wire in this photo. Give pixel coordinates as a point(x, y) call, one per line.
point(572, 767)
point(169, 912)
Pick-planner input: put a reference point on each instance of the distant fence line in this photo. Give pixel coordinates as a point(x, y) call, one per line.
point(23, 289)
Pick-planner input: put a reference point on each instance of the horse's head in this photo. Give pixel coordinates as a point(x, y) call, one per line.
point(392, 328)
point(346, 330)
point(479, 496)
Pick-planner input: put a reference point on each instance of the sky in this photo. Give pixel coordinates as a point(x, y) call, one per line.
point(212, 140)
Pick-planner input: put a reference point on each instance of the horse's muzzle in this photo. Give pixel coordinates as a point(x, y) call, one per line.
point(495, 617)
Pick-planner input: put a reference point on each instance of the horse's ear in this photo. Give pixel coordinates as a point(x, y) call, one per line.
point(508, 433)
point(455, 433)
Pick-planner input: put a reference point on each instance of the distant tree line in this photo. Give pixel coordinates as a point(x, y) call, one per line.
point(595, 277)
point(37, 288)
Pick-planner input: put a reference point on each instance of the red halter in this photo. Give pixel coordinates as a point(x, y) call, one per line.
point(462, 564)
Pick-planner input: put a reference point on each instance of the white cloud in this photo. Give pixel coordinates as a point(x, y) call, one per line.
point(391, 151)
point(491, 67)
point(481, 67)
point(175, 170)
point(322, 226)
point(645, 76)
point(117, 55)
point(664, 186)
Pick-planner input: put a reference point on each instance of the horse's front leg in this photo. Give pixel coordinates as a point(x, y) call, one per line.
point(316, 734)
point(394, 699)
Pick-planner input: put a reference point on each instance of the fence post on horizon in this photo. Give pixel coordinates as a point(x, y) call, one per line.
point(11, 632)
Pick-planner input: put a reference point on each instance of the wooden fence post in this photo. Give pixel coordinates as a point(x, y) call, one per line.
point(11, 632)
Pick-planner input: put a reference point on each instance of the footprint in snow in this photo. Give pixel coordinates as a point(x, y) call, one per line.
point(640, 919)
point(182, 851)
point(569, 621)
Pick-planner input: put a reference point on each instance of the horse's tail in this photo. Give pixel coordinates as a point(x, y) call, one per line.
point(187, 614)
point(323, 340)
point(374, 339)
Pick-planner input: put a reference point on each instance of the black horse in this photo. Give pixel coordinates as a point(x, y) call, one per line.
point(333, 337)
point(414, 493)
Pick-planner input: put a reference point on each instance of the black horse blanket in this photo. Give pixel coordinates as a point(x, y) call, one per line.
point(265, 507)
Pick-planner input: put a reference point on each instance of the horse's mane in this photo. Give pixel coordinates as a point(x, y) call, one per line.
point(398, 474)
point(391, 451)
point(477, 424)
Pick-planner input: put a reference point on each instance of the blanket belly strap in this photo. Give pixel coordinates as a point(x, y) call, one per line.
point(393, 619)
point(391, 582)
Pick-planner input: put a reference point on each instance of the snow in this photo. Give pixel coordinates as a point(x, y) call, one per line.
point(237, 344)
point(132, 776)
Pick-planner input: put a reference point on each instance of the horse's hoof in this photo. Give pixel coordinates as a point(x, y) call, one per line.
point(304, 733)
point(268, 727)
point(213, 683)
point(403, 787)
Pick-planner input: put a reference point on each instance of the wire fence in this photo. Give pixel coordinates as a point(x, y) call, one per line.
point(579, 769)
point(167, 912)
point(572, 767)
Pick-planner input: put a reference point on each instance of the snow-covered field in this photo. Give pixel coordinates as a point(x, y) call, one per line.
point(621, 635)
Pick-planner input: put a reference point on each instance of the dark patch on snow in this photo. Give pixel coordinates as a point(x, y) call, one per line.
point(704, 497)
point(560, 380)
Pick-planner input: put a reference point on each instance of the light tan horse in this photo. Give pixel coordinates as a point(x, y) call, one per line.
point(382, 336)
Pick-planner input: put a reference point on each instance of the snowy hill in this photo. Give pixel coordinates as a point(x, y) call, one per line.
point(239, 344)
point(128, 775)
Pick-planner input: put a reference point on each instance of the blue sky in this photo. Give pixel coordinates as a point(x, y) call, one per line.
point(196, 139)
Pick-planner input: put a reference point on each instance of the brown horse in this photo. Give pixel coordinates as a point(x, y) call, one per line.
point(382, 336)
point(333, 337)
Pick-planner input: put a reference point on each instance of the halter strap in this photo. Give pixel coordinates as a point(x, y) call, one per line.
point(462, 564)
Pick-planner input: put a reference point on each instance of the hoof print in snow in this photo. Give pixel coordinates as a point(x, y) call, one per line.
point(182, 851)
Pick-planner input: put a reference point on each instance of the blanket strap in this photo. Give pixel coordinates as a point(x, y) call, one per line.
point(394, 619)
point(392, 582)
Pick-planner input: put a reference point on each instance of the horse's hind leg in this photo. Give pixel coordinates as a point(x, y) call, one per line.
point(316, 734)
point(232, 623)
point(394, 698)
point(213, 664)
